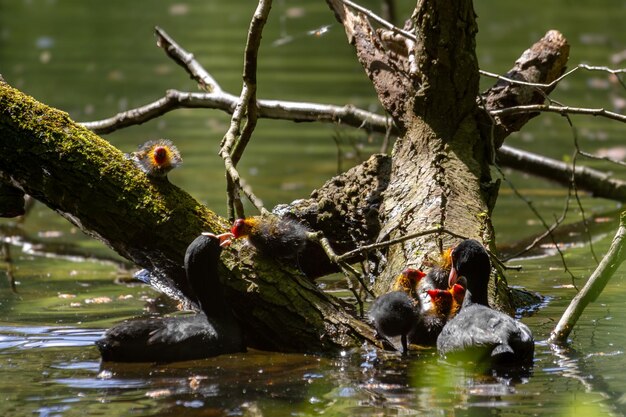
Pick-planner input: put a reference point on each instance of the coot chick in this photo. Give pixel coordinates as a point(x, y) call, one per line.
point(458, 291)
point(409, 281)
point(433, 316)
point(394, 314)
point(275, 236)
point(479, 333)
point(157, 157)
point(437, 277)
point(213, 332)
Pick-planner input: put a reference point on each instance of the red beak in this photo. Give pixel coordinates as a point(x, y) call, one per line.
point(453, 276)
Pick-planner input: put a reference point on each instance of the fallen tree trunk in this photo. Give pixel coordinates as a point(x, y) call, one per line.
point(151, 222)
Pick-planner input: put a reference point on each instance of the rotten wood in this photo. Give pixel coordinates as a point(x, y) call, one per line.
point(542, 63)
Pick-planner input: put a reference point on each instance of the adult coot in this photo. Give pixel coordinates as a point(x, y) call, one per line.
point(168, 339)
point(479, 333)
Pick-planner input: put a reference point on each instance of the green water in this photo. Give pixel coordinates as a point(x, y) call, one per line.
point(93, 59)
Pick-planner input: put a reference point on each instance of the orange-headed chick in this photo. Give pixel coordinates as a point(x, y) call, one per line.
point(408, 281)
point(157, 157)
point(458, 295)
point(276, 236)
point(437, 277)
point(434, 316)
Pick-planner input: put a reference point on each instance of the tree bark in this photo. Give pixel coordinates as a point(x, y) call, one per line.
point(440, 173)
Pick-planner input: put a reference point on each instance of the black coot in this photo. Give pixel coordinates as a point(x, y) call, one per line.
point(213, 332)
point(394, 314)
point(479, 333)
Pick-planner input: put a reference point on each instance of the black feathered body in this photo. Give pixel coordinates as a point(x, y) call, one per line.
point(165, 339)
point(482, 334)
point(177, 338)
point(479, 333)
point(280, 237)
point(427, 329)
point(394, 314)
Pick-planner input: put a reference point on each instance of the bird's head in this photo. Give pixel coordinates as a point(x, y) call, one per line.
point(407, 281)
point(471, 260)
point(458, 293)
point(441, 301)
point(158, 157)
point(412, 275)
point(242, 227)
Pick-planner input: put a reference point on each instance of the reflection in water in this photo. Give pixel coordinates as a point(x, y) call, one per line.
point(576, 366)
point(355, 383)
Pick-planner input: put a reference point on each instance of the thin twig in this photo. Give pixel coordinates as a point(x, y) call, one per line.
point(367, 248)
point(345, 267)
point(601, 158)
point(556, 81)
point(549, 229)
point(531, 108)
point(380, 20)
point(187, 61)
point(235, 139)
point(529, 203)
point(574, 187)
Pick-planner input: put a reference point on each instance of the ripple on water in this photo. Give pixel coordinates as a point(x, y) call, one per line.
point(46, 337)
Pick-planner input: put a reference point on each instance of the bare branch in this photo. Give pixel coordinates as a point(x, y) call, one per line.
point(599, 183)
point(556, 81)
point(587, 179)
point(270, 109)
point(236, 140)
point(594, 286)
point(187, 61)
point(532, 108)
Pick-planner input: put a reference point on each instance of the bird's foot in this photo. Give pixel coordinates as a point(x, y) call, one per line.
point(224, 238)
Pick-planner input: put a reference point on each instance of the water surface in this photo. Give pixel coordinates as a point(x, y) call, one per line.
point(93, 59)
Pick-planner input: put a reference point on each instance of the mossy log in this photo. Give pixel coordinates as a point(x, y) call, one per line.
point(93, 185)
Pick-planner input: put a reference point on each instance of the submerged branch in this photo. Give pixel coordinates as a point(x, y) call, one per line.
point(594, 286)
